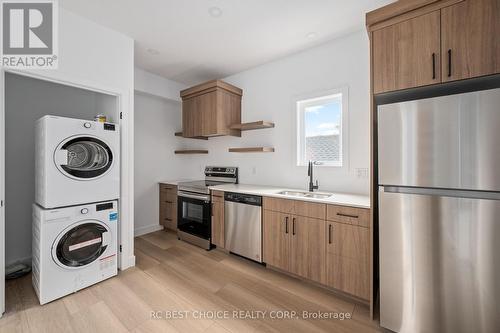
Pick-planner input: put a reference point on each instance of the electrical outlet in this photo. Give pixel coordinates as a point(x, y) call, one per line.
point(362, 173)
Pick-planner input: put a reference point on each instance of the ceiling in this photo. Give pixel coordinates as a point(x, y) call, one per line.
point(191, 41)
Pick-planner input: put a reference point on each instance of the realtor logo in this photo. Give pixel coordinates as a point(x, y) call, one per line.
point(29, 38)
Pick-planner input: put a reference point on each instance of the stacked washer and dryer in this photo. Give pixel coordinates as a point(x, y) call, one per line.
point(75, 215)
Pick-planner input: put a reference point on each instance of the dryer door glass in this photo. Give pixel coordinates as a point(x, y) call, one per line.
point(81, 245)
point(87, 158)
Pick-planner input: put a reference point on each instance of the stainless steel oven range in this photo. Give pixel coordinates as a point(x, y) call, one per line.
point(194, 215)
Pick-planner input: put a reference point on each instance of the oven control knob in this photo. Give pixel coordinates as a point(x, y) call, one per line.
point(84, 210)
point(87, 125)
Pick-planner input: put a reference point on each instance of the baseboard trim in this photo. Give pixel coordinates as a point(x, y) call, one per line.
point(147, 229)
point(25, 260)
point(130, 263)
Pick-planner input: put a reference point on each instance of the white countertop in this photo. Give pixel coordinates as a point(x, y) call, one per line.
point(343, 199)
point(175, 181)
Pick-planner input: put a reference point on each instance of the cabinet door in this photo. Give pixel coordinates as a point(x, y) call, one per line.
point(347, 258)
point(307, 248)
point(218, 223)
point(470, 39)
point(276, 245)
point(407, 54)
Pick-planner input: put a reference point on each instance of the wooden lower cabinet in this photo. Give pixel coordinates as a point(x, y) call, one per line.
point(347, 259)
point(307, 248)
point(168, 206)
point(295, 244)
point(276, 240)
point(218, 231)
point(333, 253)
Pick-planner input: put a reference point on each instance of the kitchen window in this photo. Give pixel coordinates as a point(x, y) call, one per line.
point(321, 129)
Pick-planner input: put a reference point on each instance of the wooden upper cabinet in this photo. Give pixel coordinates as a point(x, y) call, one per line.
point(407, 54)
point(422, 42)
point(209, 109)
point(470, 38)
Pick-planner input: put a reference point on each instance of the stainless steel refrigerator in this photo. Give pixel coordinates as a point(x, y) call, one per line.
point(439, 213)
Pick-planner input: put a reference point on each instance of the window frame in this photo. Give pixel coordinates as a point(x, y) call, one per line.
point(319, 99)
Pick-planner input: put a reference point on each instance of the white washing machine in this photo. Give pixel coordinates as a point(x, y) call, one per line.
point(76, 161)
point(73, 248)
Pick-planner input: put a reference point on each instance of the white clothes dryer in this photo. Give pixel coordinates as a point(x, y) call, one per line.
point(77, 161)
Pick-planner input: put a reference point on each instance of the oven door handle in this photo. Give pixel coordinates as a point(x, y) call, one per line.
point(194, 196)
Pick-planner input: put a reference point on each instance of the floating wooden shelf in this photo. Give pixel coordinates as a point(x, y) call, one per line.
point(191, 151)
point(252, 150)
point(196, 137)
point(253, 126)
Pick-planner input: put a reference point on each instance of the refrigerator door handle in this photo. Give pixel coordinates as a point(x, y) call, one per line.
point(441, 192)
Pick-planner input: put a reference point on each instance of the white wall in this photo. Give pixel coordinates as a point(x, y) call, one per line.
point(92, 54)
point(156, 121)
point(153, 84)
point(157, 117)
point(269, 92)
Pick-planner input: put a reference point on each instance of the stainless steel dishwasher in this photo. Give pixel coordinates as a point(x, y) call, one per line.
point(243, 225)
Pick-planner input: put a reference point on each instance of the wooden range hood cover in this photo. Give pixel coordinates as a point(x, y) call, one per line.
point(210, 86)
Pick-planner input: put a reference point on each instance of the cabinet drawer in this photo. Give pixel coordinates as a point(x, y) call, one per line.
point(168, 198)
point(349, 215)
point(279, 205)
point(217, 196)
point(168, 191)
point(168, 187)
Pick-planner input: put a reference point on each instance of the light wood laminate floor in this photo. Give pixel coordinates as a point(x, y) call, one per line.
point(174, 276)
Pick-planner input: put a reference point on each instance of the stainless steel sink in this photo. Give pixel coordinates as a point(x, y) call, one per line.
point(319, 195)
point(293, 193)
point(306, 194)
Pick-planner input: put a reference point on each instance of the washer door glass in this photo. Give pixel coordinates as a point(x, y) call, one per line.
point(87, 158)
point(82, 245)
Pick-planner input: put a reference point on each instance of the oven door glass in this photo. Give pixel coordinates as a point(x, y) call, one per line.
point(194, 216)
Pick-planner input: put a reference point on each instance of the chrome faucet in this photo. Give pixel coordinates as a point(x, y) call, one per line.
point(312, 187)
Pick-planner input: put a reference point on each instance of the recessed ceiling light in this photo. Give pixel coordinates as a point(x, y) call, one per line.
point(153, 51)
point(311, 35)
point(215, 11)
